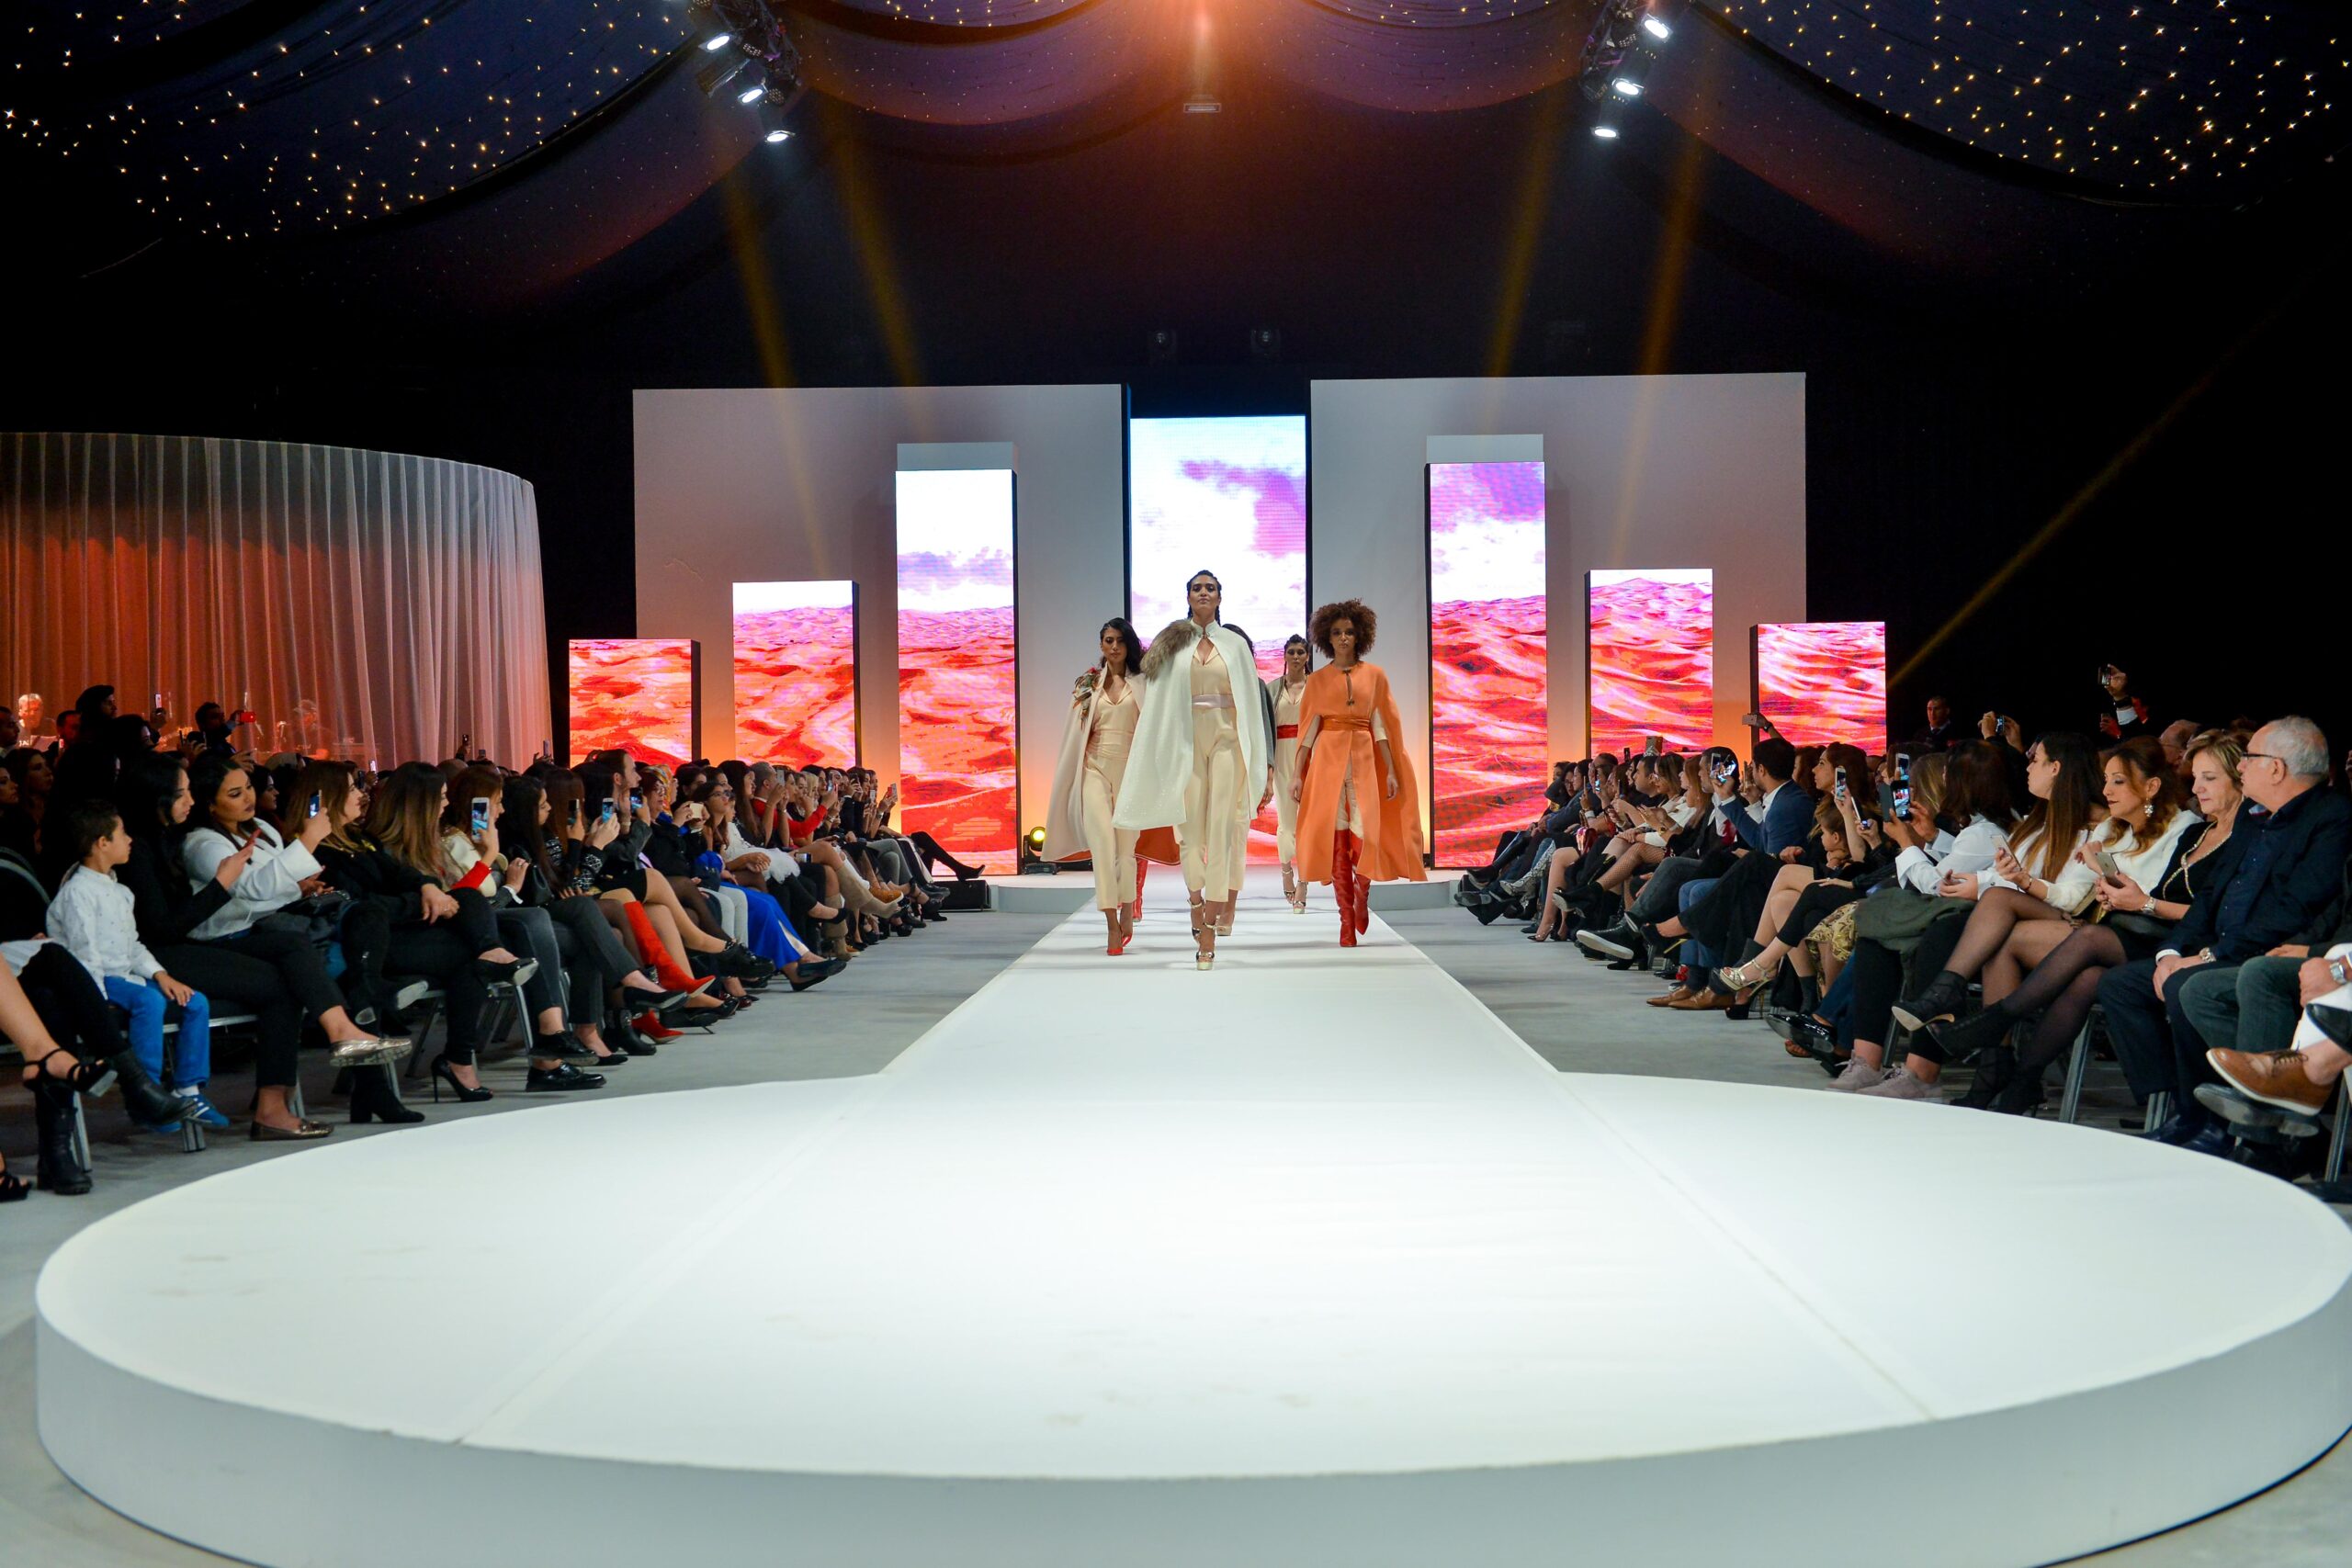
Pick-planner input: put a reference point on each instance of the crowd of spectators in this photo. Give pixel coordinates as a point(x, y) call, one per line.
point(1968, 897)
point(158, 891)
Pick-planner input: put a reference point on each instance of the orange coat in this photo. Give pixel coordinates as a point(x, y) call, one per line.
point(1392, 828)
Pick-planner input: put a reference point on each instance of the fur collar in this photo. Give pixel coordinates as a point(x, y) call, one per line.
point(1175, 638)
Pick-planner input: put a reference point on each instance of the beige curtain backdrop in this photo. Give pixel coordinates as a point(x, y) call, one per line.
point(373, 605)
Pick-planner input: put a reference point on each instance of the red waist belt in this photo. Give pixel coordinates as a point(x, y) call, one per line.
point(1285, 732)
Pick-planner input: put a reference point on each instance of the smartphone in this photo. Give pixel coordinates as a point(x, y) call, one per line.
point(2107, 866)
point(1902, 802)
point(575, 814)
point(1753, 720)
point(636, 801)
point(481, 815)
point(315, 803)
point(1842, 791)
point(1727, 772)
point(1653, 745)
point(605, 814)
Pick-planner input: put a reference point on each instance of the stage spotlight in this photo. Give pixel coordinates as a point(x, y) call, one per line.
point(1606, 133)
point(778, 135)
point(718, 42)
point(1159, 348)
point(1265, 344)
point(750, 94)
point(1657, 29)
point(1625, 88)
point(1035, 839)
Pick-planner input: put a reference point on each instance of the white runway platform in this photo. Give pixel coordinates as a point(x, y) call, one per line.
point(1307, 1262)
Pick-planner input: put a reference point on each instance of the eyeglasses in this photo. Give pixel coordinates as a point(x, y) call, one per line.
point(2250, 756)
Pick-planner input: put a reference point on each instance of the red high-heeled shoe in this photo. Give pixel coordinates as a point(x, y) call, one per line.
point(653, 1029)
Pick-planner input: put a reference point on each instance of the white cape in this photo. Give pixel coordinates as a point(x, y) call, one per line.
point(1161, 766)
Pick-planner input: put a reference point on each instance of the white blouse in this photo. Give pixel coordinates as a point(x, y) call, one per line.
point(1968, 852)
point(273, 878)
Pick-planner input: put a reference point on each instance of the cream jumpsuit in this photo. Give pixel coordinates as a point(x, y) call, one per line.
point(1213, 808)
point(1112, 849)
point(1286, 771)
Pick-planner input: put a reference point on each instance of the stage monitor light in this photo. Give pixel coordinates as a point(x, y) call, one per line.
point(714, 44)
point(1657, 29)
point(1489, 699)
point(1606, 133)
point(958, 696)
point(1823, 680)
point(1625, 86)
point(1227, 495)
point(1650, 659)
point(795, 672)
point(634, 695)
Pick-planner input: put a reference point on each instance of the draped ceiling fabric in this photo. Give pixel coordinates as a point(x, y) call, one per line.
point(374, 605)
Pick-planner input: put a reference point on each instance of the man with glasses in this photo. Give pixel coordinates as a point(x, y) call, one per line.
point(2299, 835)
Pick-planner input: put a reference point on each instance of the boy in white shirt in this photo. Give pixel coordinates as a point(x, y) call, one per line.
point(93, 915)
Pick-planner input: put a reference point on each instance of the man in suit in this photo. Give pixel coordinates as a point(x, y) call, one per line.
point(2292, 867)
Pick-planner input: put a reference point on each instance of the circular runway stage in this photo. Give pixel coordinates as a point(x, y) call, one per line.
point(1305, 1261)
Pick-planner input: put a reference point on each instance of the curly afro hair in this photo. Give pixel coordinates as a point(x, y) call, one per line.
point(1318, 630)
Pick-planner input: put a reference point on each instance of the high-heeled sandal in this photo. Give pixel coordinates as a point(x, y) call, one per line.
point(1747, 976)
point(12, 1188)
point(91, 1075)
point(1199, 909)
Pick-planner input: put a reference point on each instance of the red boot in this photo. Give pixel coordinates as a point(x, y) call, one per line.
point(1344, 856)
point(649, 943)
point(1363, 885)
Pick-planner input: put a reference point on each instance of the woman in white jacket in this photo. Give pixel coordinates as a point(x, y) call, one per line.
point(1105, 711)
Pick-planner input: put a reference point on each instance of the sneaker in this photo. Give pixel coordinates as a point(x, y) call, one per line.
point(1607, 946)
point(1901, 1083)
point(196, 1107)
point(1857, 1076)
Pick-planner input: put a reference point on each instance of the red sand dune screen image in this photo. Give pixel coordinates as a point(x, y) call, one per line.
point(1823, 680)
point(1228, 495)
point(958, 722)
point(634, 692)
point(1651, 659)
point(796, 673)
point(1488, 700)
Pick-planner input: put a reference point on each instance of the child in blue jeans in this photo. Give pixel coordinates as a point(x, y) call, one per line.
point(93, 917)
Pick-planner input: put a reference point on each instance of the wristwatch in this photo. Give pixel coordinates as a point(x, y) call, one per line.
point(2340, 970)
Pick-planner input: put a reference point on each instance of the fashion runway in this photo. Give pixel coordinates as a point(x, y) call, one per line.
point(1306, 1260)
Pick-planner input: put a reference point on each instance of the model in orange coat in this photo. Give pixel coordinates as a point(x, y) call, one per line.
point(1358, 811)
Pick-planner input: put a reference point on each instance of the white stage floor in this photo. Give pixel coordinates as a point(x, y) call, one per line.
point(1307, 1260)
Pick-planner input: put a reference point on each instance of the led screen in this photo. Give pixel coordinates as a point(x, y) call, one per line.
point(1650, 659)
point(636, 694)
point(1823, 680)
point(796, 673)
point(957, 728)
point(1227, 495)
point(1488, 712)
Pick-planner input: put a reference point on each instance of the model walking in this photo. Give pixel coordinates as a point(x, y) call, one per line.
point(1096, 744)
point(1286, 694)
point(1359, 814)
point(1200, 755)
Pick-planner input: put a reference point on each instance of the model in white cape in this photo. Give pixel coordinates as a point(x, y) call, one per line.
point(1162, 765)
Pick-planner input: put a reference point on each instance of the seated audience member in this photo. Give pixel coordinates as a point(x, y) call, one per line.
point(33, 720)
point(1777, 816)
point(2302, 1078)
point(251, 924)
point(696, 951)
point(30, 780)
point(11, 732)
point(93, 915)
point(2152, 841)
point(654, 927)
point(609, 987)
point(1847, 846)
point(1706, 851)
point(1931, 879)
point(2292, 863)
point(437, 924)
point(2174, 738)
point(772, 935)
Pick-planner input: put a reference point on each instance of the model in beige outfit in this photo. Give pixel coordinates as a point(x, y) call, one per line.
point(1112, 849)
point(1286, 693)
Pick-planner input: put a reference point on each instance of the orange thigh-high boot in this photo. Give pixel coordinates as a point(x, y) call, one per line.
point(650, 947)
point(1344, 856)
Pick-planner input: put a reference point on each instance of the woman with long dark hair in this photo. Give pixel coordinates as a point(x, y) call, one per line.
point(1285, 692)
point(1104, 706)
point(1198, 761)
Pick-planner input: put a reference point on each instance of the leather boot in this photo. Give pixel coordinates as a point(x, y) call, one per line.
point(58, 1169)
point(146, 1099)
point(1344, 884)
point(1363, 885)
